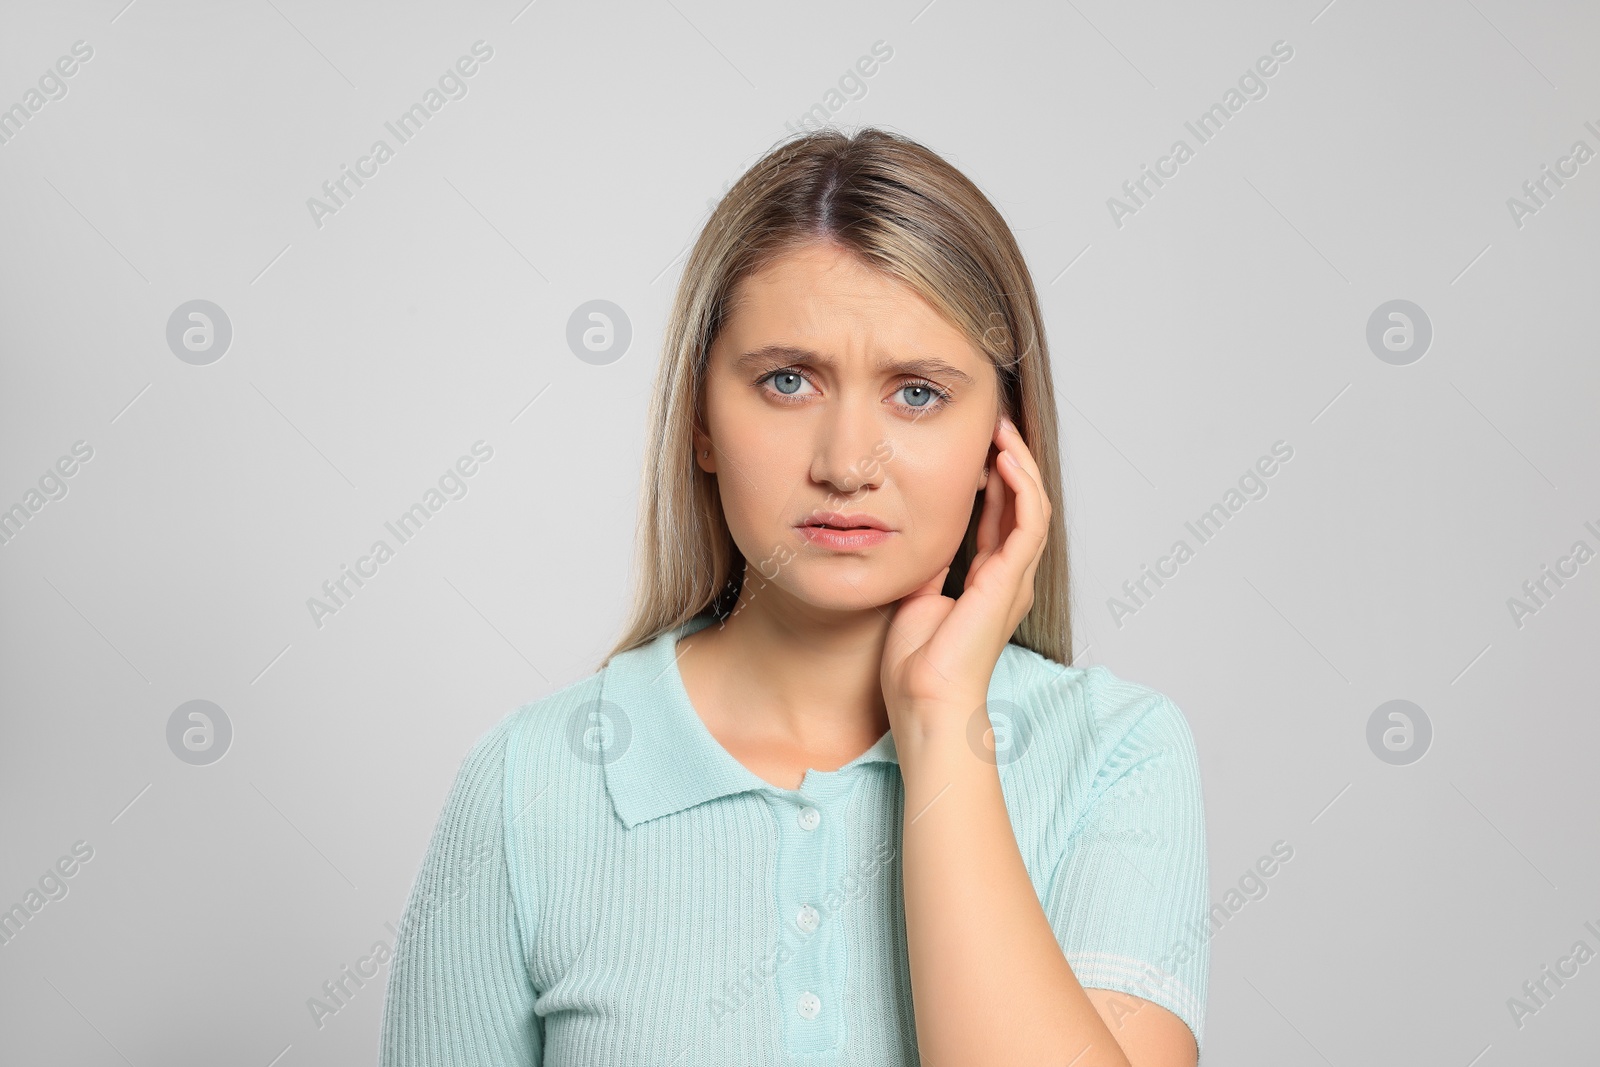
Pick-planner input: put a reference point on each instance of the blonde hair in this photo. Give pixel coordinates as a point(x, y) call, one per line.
point(902, 209)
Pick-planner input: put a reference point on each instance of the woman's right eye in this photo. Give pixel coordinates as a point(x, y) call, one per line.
point(786, 380)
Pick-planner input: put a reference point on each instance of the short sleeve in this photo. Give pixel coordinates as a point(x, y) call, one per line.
point(1128, 897)
point(459, 992)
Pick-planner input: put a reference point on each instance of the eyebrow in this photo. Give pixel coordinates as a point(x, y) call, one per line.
point(789, 355)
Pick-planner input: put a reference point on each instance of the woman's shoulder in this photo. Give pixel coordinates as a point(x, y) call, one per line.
point(527, 728)
point(1094, 708)
point(518, 760)
point(542, 727)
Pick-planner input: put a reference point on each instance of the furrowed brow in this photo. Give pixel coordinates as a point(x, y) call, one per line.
point(770, 356)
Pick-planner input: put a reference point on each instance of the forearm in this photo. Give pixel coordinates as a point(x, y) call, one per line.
point(989, 982)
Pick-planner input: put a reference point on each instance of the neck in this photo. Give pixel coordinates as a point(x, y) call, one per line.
point(797, 673)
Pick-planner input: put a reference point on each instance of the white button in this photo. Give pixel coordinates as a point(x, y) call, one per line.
point(807, 918)
point(809, 1005)
point(809, 817)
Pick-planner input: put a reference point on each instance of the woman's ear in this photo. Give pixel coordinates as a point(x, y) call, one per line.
point(704, 455)
point(988, 465)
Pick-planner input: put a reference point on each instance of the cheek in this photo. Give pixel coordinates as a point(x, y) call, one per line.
point(758, 477)
point(939, 496)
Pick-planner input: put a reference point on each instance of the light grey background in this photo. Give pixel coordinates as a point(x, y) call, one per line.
point(431, 311)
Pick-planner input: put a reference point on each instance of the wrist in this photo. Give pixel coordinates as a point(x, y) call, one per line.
point(926, 723)
point(940, 749)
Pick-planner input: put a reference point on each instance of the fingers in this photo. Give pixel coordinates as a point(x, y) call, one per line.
point(990, 520)
point(994, 498)
point(1029, 505)
point(1010, 440)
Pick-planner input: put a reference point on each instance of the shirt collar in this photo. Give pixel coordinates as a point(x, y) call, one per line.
point(668, 761)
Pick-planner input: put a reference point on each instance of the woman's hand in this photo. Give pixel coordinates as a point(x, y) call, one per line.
point(941, 653)
point(978, 940)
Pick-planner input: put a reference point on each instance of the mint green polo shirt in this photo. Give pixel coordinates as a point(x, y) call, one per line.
point(607, 885)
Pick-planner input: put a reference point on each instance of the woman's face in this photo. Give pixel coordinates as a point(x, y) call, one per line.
point(835, 389)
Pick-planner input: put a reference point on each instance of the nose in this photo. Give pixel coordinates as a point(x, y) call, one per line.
point(845, 453)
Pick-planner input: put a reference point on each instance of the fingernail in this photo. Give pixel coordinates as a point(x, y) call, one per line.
point(1008, 423)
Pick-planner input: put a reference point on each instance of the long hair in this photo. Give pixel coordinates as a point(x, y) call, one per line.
point(902, 209)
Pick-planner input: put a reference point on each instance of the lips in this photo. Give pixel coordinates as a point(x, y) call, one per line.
point(834, 520)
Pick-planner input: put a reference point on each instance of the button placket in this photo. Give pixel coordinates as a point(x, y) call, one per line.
point(810, 841)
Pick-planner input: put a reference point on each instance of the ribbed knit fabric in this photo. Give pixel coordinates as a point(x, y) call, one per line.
point(607, 885)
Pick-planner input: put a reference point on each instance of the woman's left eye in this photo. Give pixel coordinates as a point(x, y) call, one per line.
point(924, 396)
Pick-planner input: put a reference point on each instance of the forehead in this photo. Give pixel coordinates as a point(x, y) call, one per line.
point(823, 297)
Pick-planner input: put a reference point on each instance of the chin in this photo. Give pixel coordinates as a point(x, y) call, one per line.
point(867, 591)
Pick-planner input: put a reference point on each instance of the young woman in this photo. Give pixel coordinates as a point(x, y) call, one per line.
point(837, 797)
